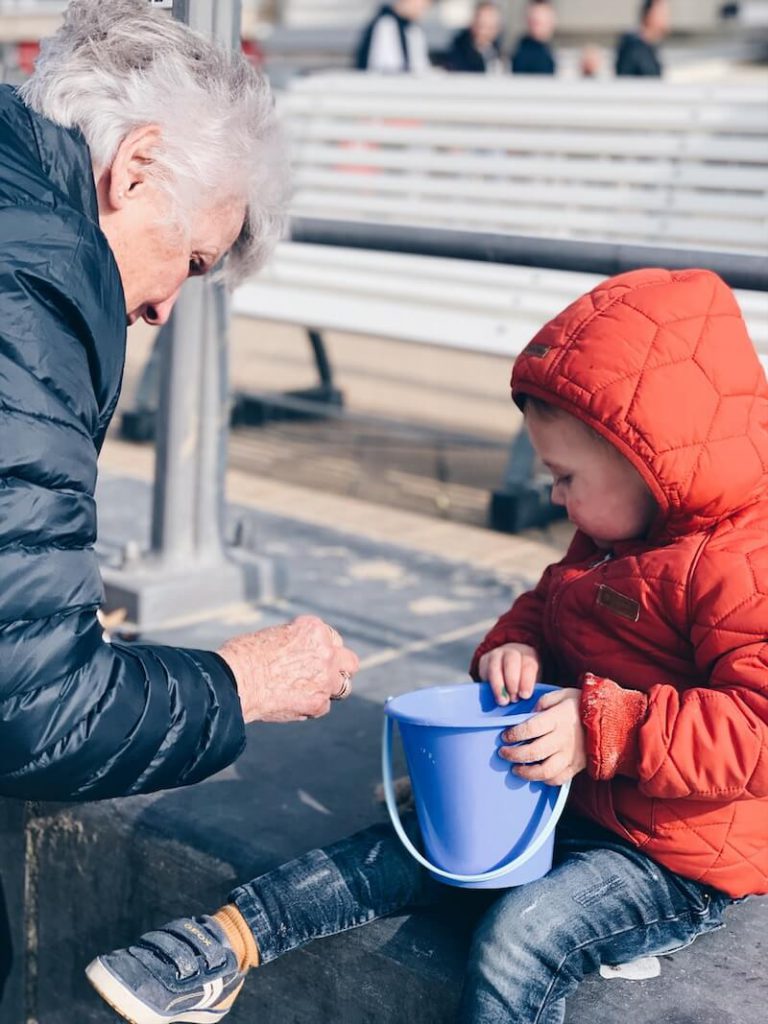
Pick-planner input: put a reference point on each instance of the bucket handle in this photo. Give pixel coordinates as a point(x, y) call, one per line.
point(487, 876)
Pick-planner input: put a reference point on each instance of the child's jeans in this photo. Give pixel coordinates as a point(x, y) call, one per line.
point(603, 902)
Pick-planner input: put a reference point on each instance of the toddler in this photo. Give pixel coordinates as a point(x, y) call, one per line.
point(646, 400)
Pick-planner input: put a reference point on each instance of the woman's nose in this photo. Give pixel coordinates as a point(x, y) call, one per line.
point(157, 313)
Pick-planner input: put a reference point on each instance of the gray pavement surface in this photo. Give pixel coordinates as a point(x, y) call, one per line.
point(97, 876)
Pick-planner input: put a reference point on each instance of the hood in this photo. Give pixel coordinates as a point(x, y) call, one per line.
point(660, 363)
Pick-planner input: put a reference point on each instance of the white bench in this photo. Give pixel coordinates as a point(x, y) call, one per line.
point(649, 162)
point(676, 166)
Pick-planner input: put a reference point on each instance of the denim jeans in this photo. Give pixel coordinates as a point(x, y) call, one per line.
point(603, 902)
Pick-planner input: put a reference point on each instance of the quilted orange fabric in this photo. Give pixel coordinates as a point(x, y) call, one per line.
point(668, 638)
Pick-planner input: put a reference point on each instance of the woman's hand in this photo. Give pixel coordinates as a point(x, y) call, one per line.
point(554, 737)
point(512, 670)
point(291, 672)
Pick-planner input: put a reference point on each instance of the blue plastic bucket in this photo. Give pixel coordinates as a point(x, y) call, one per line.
point(483, 827)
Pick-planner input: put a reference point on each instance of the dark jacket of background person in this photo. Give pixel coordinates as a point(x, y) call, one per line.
point(463, 55)
point(79, 718)
point(635, 56)
point(532, 57)
point(364, 47)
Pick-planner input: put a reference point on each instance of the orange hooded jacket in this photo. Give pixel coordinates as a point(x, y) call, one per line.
point(668, 638)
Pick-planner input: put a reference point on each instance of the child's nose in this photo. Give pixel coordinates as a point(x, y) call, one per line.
point(558, 497)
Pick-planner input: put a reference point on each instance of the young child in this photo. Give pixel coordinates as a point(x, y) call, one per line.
point(647, 402)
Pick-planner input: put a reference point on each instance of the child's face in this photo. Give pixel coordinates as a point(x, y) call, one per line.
point(604, 495)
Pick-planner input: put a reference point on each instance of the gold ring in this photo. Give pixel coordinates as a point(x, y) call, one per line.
point(345, 686)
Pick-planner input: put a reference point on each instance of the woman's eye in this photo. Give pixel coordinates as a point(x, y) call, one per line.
point(563, 480)
point(196, 267)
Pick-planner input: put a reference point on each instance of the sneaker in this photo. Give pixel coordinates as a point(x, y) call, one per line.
point(186, 971)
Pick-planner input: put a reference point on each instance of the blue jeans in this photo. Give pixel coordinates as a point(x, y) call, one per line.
point(603, 902)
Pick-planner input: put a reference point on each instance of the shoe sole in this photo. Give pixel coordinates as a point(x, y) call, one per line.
point(134, 1010)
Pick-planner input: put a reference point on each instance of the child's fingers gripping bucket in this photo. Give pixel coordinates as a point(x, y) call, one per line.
point(482, 825)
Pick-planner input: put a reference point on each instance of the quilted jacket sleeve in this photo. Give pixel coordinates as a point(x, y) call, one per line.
point(79, 718)
point(709, 742)
point(523, 623)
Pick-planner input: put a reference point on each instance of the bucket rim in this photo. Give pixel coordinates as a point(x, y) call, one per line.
point(473, 720)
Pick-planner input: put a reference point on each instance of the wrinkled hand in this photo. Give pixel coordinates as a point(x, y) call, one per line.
point(558, 740)
point(289, 673)
point(512, 670)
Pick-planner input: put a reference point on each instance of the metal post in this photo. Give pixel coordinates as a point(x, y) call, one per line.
point(280, 7)
point(220, 20)
point(186, 572)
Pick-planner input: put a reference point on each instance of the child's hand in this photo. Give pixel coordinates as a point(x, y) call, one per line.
point(558, 740)
point(512, 670)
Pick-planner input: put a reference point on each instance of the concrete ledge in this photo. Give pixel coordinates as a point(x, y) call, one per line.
point(99, 875)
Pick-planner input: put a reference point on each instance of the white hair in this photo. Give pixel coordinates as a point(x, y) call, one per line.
point(116, 65)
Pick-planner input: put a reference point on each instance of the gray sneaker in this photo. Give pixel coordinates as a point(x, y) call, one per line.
point(185, 972)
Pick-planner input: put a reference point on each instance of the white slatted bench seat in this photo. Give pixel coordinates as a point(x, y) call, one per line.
point(647, 163)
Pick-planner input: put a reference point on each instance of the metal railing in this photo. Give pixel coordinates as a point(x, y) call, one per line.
point(739, 270)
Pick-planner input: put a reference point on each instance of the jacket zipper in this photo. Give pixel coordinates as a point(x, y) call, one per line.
point(555, 603)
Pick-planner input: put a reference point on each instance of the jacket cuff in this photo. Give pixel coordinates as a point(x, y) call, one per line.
point(224, 740)
point(225, 665)
point(612, 717)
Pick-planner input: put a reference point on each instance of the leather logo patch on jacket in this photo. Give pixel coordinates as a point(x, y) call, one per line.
point(618, 603)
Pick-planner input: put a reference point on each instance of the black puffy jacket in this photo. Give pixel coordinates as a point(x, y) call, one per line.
point(464, 56)
point(79, 719)
point(637, 58)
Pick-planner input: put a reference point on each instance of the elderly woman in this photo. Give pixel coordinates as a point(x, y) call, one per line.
point(137, 155)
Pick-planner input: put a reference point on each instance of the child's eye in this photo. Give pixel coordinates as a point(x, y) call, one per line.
point(196, 267)
point(563, 480)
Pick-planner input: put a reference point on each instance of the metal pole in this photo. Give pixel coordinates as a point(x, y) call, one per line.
point(219, 19)
point(186, 571)
point(179, 468)
point(188, 504)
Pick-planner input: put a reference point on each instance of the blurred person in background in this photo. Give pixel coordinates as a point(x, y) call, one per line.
point(477, 48)
point(394, 40)
point(533, 54)
point(591, 62)
point(637, 54)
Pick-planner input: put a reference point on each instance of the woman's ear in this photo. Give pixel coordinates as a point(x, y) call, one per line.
point(131, 167)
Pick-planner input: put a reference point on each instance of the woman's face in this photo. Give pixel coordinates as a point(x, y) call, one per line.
point(155, 254)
